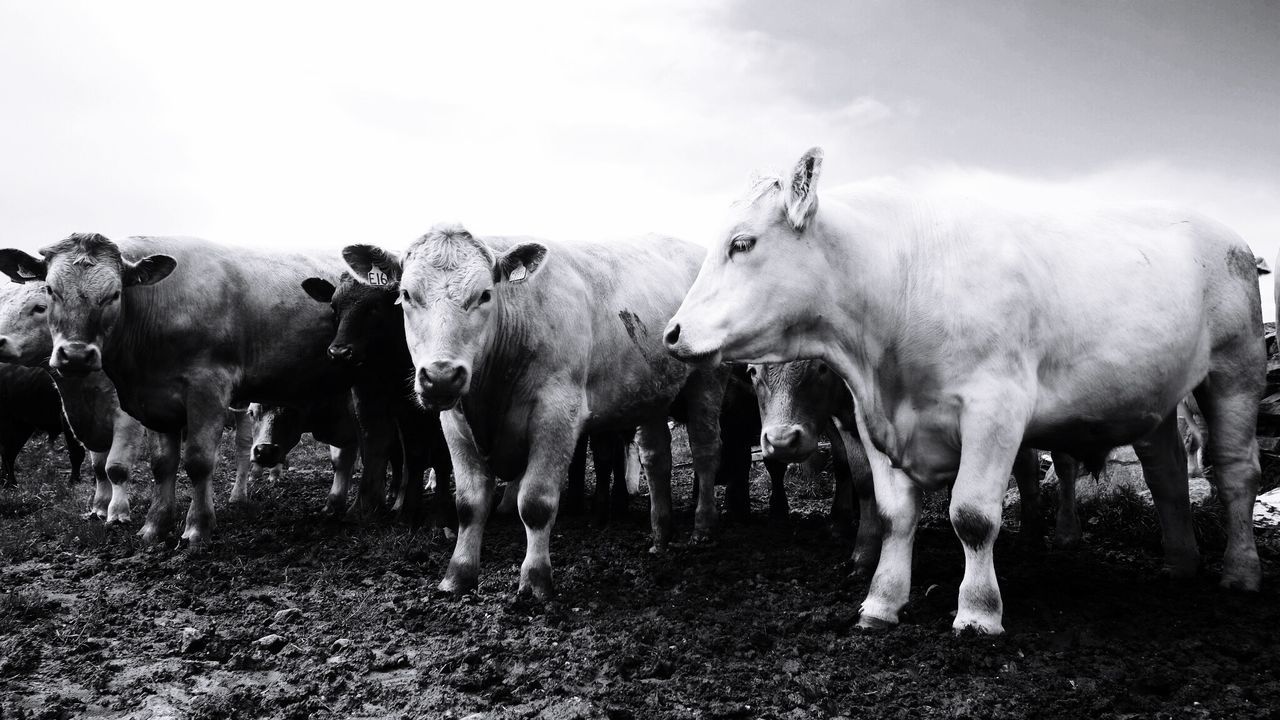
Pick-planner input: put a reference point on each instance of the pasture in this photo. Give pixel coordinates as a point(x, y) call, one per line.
point(289, 615)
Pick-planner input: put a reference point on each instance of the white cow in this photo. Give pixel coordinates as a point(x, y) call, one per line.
point(965, 325)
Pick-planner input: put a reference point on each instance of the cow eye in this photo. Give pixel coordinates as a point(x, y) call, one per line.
point(110, 298)
point(485, 297)
point(38, 309)
point(741, 244)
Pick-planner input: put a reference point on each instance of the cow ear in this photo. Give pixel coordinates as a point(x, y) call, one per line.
point(1263, 268)
point(319, 289)
point(801, 193)
point(518, 263)
point(149, 270)
point(372, 265)
point(21, 267)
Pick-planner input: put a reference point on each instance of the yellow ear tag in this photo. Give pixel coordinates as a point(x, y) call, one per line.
point(518, 274)
point(377, 277)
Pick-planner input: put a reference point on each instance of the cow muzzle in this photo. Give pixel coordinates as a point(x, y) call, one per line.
point(440, 384)
point(266, 454)
point(343, 353)
point(789, 443)
point(9, 350)
point(76, 358)
point(676, 340)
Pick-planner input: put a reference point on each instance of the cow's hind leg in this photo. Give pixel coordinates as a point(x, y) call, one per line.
point(705, 393)
point(244, 443)
point(1026, 473)
point(1230, 408)
point(1066, 533)
point(474, 490)
point(654, 442)
point(866, 545)
point(1164, 466)
point(206, 410)
point(165, 455)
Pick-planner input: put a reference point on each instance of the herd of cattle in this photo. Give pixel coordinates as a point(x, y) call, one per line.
point(934, 337)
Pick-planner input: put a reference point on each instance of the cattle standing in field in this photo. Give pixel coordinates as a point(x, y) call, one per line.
point(965, 328)
point(369, 341)
point(185, 329)
point(331, 420)
point(29, 404)
point(524, 346)
point(609, 460)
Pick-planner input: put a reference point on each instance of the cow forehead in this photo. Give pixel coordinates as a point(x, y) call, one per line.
point(90, 277)
point(450, 266)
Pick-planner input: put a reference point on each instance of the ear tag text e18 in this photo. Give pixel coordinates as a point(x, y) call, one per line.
point(377, 277)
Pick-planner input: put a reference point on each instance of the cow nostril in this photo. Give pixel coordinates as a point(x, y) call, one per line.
point(673, 334)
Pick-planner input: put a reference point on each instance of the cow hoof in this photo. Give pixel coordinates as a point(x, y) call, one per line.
point(875, 624)
point(119, 519)
point(149, 534)
point(658, 549)
point(459, 581)
point(981, 626)
point(334, 507)
point(95, 515)
point(535, 582)
point(700, 537)
point(1245, 579)
point(197, 538)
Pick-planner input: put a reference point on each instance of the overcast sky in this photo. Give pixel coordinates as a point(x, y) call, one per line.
point(313, 124)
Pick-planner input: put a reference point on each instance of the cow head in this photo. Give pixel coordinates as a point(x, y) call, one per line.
point(451, 292)
point(24, 324)
point(757, 284)
point(362, 312)
point(796, 402)
point(276, 430)
point(85, 279)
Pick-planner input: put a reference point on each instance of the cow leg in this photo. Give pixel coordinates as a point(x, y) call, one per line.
point(507, 503)
point(474, 491)
point(898, 500)
point(990, 437)
point(446, 511)
point(395, 467)
point(244, 443)
point(1026, 473)
point(101, 489)
point(735, 470)
point(654, 441)
point(779, 508)
point(619, 496)
point(165, 454)
point(549, 458)
point(343, 460)
point(408, 505)
point(841, 516)
point(127, 438)
point(602, 461)
point(705, 397)
point(377, 435)
point(205, 414)
point(866, 545)
point(1164, 467)
point(76, 451)
point(575, 487)
point(1067, 525)
point(1230, 408)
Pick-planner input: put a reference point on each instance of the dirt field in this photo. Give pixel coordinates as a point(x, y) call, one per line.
point(291, 616)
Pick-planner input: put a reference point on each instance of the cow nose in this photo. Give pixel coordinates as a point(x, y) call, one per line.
point(672, 335)
point(76, 357)
point(265, 454)
point(783, 441)
point(340, 352)
point(442, 378)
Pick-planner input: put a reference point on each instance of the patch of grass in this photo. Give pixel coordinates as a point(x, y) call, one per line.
point(19, 608)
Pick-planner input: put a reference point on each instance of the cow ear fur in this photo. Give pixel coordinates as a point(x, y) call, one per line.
point(801, 191)
point(519, 262)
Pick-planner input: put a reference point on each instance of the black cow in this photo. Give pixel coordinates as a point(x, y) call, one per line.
point(29, 403)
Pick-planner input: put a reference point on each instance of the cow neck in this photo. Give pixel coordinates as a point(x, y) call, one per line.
point(497, 374)
point(389, 362)
point(90, 404)
point(135, 338)
point(869, 285)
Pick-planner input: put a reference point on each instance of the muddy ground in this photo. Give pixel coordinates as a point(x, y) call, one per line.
point(758, 624)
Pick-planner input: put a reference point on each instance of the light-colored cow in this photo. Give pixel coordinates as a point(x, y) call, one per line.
point(966, 326)
point(331, 420)
point(184, 329)
point(524, 346)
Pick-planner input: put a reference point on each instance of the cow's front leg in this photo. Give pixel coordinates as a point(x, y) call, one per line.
point(244, 443)
point(342, 459)
point(866, 546)
point(474, 484)
point(101, 489)
point(990, 436)
point(705, 393)
point(898, 501)
point(127, 438)
point(377, 434)
point(1026, 473)
point(551, 448)
point(206, 411)
point(1066, 534)
point(166, 451)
